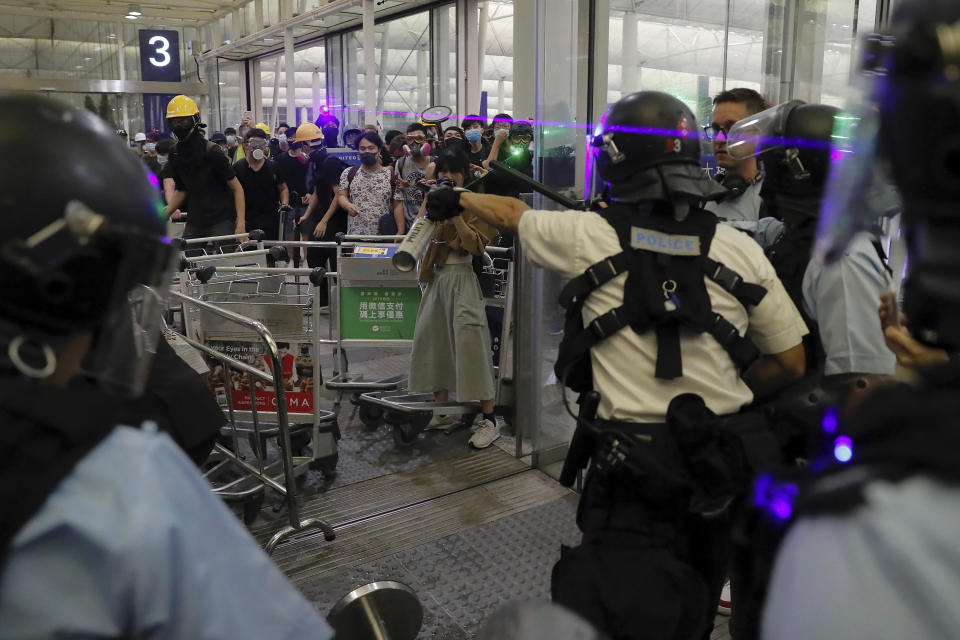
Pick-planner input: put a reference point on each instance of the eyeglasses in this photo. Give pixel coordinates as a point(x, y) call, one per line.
point(713, 130)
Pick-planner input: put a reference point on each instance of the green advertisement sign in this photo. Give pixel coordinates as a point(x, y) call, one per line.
point(378, 313)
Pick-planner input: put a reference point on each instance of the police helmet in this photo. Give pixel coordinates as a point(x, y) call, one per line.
point(648, 148)
point(75, 249)
point(796, 158)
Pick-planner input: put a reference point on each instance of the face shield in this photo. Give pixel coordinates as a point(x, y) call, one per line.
point(860, 192)
point(762, 132)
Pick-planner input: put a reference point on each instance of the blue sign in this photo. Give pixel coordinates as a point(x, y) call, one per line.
point(155, 111)
point(159, 55)
point(350, 156)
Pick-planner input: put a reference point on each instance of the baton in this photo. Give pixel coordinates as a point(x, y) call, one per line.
point(539, 187)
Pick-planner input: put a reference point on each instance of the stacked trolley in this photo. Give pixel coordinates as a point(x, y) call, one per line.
point(261, 332)
point(408, 413)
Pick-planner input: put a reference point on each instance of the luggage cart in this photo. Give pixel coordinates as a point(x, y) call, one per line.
point(372, 305)
point(260, 473)
point(408, 413)
point(293, 318)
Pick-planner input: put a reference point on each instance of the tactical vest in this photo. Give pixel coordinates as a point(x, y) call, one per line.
point(666, 261)
point(46, 432)
point(898, 433)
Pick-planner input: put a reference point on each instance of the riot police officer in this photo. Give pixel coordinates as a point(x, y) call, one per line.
point(108, 531)
point(686, 322)
point(839, 301)
point(871, 551)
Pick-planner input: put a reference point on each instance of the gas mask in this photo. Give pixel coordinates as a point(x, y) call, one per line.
point(258, 149)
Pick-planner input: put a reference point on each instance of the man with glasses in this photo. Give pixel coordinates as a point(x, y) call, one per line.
point(411, 168)
point(741, 177)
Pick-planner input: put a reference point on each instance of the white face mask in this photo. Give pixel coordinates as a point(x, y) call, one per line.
point(162, 160)
point(231, 139)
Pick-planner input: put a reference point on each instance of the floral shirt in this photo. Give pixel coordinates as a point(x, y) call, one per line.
point(372, 193)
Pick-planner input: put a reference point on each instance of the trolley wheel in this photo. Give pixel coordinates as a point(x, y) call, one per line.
point(421, 419)
point(251, 508)
point(371, 416)
point(326, 465)
point(405, 434)
point(300, 441)
point(394, 418)
point(355, 399)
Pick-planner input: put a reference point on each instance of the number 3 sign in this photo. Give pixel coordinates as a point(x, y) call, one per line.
point(159, 55)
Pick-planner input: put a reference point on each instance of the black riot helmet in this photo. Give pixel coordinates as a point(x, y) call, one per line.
point(795, 151)
point(648, 148)
point(86, 252)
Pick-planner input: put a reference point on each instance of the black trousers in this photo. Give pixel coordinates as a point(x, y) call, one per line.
point(646, 569)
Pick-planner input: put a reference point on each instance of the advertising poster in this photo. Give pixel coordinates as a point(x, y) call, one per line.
point(296, 362)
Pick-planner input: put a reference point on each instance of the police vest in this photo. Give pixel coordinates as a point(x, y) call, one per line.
point(46, 432)
point(666, 262)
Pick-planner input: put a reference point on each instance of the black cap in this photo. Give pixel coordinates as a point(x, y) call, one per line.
point(217, 136)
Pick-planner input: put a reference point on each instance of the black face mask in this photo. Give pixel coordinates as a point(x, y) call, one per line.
point(183, 132)
point(317, 152)
point(369, 159)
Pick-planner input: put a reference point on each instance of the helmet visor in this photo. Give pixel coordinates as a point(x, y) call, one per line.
point(759, 132)
point(860, 190)
point(121, 356)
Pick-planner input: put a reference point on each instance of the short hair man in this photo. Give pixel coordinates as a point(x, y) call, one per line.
point(741, 177)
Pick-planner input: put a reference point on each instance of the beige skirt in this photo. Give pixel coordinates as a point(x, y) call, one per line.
point(451, 342)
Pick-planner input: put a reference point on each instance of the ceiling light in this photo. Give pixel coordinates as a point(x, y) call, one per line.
point(134, 10)
point(112, 35)
point(130, 16)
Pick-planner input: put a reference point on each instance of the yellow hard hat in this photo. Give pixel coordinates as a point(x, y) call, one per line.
point(182, 106)
point(307, 132)
point(263, 127)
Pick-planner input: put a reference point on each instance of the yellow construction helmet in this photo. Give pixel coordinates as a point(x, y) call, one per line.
point(308, 132)
point(263, 127)
point(182, 106)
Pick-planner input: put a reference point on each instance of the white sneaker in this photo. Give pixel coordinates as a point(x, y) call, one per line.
point(485, 435)
point(438, 421)
point(723, 607)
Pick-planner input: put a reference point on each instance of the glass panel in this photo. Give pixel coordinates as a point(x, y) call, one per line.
point(403, 62)
point(273, 98)
point(311, 82)
point(232, 92)
point(351, 109)
point(496, 60)
point(445, 57)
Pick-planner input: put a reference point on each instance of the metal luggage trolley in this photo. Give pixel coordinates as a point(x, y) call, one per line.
point(372, 305)
point(230, 308)
point(223, 456)
point(408, 413)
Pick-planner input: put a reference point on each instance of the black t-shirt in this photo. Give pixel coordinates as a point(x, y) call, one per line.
point(294, 174)
point(325, 173)
point(203, 171)
point(477, 157)
point(261, 191)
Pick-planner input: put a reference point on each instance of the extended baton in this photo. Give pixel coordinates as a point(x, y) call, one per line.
point(539, 187)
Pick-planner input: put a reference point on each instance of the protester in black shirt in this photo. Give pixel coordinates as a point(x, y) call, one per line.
point(477, 149)
point(292, 165)
point(323, 218)
point(202, 170)
point(231, 135)
point(263, 188)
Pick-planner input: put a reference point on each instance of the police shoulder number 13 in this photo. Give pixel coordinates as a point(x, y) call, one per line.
point(162, 49)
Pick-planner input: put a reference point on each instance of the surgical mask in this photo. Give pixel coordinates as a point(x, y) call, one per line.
point(474, 135)
point(282, 138)
point(369, 159)
point(162, 160)
point(150, 147)
point(231, 139)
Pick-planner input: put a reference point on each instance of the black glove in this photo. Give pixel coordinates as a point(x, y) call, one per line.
point(285, 207)
point(443, 203)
